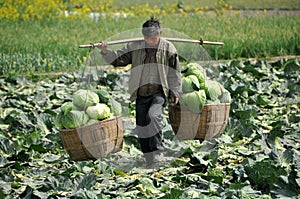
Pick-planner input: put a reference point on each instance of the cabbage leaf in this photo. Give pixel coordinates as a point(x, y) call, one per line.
point(85, 98)
point(99, 111)
point(194, 101)
point(66, 107)
point(197, 70)
point(115, 107)
point(213, 89)
point(74, 119)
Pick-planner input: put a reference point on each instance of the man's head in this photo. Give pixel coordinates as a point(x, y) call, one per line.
point(151, 31)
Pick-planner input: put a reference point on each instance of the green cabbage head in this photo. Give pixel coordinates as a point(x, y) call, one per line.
point(85, 98)
point(225, 97)
point(197, 70)
point(74, 119)
point(213, 89)
point(66, 107)
point(115, 106)
point(194, 101)
point(103, 95)
point(99, 112)
point(190, 83)
point(92, 121)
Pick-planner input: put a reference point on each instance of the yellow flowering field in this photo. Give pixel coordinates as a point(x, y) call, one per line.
point(50, 9)
point(40, 9)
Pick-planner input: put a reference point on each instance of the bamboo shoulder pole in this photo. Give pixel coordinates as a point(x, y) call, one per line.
point(141, 39)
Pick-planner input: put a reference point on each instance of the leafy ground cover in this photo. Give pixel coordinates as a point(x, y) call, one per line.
point(256, 157)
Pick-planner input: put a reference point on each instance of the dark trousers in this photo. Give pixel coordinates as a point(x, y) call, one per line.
point(149, 111)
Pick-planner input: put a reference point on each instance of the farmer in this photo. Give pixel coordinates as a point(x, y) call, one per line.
point(154, 78)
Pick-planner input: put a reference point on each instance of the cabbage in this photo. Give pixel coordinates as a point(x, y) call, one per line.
point(197, 70)
point(213, 89)
point(194, 101)
point(212, 102)
point(85, 98)
point(210, 91)
point(194, 65)
point(99, 111)
point(74, 119)
point(225, 97)
point(66, 107)
point(103, 95)
point(92, 121)
point(195, 82)
point(190, 83)
point(187, 85)
point(202, 85)
point(76, 108)
point(58, 120)
point(115, 106)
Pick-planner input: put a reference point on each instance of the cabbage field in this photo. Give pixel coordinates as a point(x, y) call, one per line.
point(257, 156)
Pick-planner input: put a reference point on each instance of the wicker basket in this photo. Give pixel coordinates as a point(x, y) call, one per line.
point(210, 123)
point(94, 141)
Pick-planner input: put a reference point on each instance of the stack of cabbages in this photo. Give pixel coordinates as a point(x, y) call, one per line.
point(199, 90)
point(88, 107)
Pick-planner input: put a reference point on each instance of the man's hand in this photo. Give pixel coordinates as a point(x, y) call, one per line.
point(103, 47)
point(174, 101)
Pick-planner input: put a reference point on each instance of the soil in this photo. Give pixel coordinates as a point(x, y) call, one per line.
point(262, 12)
point(273, 12)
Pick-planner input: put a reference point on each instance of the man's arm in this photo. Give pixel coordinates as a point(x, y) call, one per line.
point(174, 79)
point(120, 57)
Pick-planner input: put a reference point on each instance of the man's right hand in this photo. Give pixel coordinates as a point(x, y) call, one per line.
point(103, 47)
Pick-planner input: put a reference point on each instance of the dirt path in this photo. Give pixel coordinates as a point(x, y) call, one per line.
point(266, 12)
point(212, 62)
point(215, 63)
point(260, 12)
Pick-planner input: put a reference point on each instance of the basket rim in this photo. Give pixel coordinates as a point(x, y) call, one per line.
point(95, 124)
point(219, 104)
point(205, 107)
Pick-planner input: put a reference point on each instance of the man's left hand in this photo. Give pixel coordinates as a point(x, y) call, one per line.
point(174, 101)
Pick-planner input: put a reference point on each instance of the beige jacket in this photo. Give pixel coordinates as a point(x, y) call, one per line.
point(134, 53)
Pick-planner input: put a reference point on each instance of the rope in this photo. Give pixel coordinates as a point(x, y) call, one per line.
point(192, 52)
point(81, 80)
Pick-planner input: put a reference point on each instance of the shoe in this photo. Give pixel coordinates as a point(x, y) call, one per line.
point(149, 159)
point(154, 159)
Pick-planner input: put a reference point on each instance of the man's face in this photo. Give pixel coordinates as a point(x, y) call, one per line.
point(153, 40)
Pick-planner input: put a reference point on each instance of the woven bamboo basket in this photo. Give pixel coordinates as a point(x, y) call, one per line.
point(208, 124)
point(94, 141)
